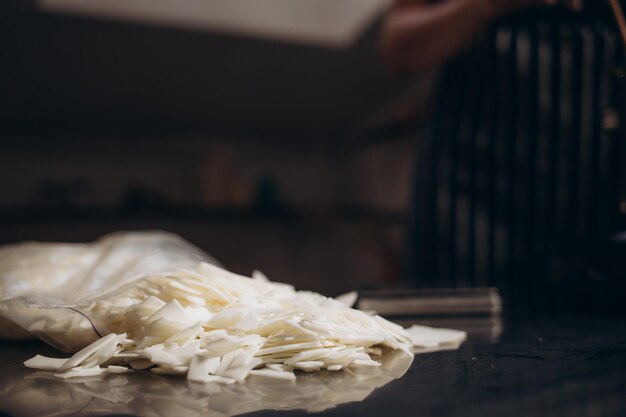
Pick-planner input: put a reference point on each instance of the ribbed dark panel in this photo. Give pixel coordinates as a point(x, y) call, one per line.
point(607, 137)
point(521, 166)
point(504, 160)
point(448, 188)
point(491, 127)
point(542, 163)
point(586, 111)
point(482, 165)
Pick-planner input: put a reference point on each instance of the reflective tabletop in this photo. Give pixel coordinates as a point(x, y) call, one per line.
point(573, 366)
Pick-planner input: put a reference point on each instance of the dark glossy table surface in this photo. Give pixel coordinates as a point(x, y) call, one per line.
point(574, 366)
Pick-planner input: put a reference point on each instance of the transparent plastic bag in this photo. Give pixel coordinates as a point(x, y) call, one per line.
point(44, 285)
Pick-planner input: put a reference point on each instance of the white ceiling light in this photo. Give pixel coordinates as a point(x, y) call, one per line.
point(330, 23)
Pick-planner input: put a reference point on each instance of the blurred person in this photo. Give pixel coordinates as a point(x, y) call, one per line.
point(508, 189)
point(420, 35)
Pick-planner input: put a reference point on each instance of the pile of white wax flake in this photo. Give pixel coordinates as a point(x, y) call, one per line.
point(215, 326)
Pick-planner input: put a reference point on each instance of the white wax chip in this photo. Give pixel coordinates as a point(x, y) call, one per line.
point(45, 363)
point(235, 358)
point(237, 365)
point(160, 357)
point(341, 357)
point(286, 326)
point(114, 369)
point(198, 314)
point(147, 307)
point(186, 335)
point(426, 342)
point(186, 352)
point(238, 374)
point(170, 370)
point(248, 322)
point(163, 328)
point(278, 367)
point(289, 347)
point(365, 362)
point(171, 311)
point(348, 299)
point(214, 294)
point(127, 355)
point(430, 337)
point(178, 285)
point(220, 344)
point(259, 276)
point(149, 341)
point(199, 301)
point(105, 352)
point(308, 366)
point(365, 340)
point(227, 317)
point(243, 358)
point(79, 357)
point(201, 366)
point(312, 354)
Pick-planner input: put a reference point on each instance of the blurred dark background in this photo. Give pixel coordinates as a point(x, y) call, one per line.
point(287, 152)
point(284, 148)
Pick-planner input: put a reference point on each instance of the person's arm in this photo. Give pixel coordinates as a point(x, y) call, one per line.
point(422, 34)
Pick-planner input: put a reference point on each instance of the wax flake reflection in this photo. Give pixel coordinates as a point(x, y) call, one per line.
point(27, 393)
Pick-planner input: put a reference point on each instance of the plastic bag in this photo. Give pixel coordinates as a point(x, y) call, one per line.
point(43, 286)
